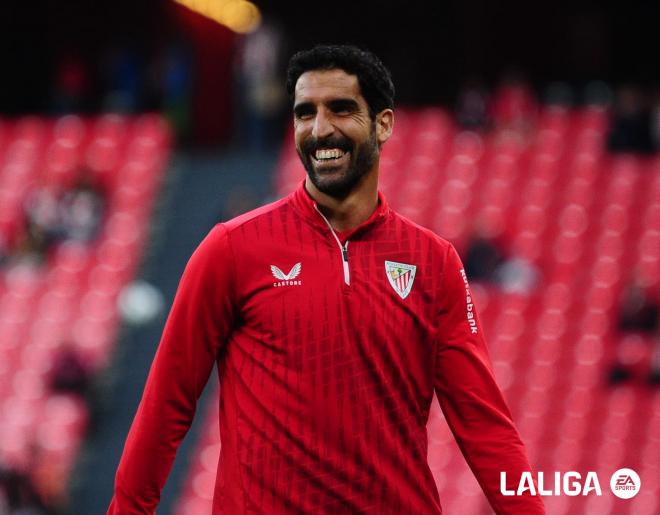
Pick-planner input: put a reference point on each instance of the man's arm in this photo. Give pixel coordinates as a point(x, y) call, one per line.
point(197, 326)
point(471, 400)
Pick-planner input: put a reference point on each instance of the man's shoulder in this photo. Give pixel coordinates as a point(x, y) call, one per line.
point(219, 236)
point(419, 231)
point(257, 215)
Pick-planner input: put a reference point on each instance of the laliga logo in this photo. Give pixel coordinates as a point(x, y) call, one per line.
point(568, 483)
point(625, 484)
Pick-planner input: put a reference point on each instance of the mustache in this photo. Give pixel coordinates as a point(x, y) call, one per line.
point(313, 144)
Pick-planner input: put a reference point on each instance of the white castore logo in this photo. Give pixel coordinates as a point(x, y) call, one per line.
point(287, 279)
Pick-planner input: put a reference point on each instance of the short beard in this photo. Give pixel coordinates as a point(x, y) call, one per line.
point(362, 159)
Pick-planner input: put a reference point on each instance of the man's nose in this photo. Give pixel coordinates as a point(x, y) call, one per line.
point(322, 126)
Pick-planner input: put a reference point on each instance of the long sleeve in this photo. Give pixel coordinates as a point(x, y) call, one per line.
point(471, 400)
point(199, 323)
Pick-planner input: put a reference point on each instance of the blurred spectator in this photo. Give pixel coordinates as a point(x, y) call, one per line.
point(482, 258)
point(260, 84)
point(517, 275)
point(638, 314)
point(123, 80)
point(638, 311)
point(655, 121)
point(598, 93)
point(631, 122)
point(4, 252)
point(52, 217)
point(49, 479)
point(486, 262)
point(81, 211)
point(31, 250)
point(42, 218)
point(169, 87)
point(654, 374)
point(472, 106)
point(41, 228)
point(559, 94)
point(18, 496)
point(69, 374)
point(513, 105)
point(70, 85)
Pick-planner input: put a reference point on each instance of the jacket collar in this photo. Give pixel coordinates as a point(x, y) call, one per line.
point(306, 206)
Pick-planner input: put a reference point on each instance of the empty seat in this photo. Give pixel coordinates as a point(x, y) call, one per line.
point(38, 306)
point(586, 219)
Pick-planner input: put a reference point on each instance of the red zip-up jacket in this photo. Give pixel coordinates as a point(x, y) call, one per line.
point(330, 347)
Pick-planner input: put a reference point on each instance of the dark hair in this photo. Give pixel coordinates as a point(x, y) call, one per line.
point(374, 79)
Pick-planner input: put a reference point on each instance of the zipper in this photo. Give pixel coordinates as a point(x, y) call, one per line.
point(343, 249)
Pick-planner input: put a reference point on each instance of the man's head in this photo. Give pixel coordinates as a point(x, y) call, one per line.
point(343, 99)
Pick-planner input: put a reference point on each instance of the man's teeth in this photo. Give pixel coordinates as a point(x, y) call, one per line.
point(329, 153)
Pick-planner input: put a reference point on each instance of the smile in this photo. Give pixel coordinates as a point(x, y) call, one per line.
point(329, 155)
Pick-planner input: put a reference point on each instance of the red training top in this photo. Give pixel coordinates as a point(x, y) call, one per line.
point(329, 350)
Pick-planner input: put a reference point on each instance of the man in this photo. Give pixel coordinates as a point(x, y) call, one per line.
point(333, 320)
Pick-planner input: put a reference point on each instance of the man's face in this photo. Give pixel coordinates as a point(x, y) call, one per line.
point(335, 136)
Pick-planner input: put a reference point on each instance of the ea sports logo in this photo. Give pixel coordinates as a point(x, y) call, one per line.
point(625, 483)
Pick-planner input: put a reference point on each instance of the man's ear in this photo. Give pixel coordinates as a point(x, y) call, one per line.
point(384, 125)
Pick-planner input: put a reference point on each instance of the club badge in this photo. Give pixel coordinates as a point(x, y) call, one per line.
point(401, 277)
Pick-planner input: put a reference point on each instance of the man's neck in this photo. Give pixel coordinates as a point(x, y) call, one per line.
point(349, 212)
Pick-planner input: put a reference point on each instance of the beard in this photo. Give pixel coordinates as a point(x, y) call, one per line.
point(331, 180)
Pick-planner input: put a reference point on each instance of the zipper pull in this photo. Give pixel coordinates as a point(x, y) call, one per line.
point(344, 255)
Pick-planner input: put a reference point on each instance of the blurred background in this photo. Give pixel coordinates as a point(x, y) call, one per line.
point(526, 134)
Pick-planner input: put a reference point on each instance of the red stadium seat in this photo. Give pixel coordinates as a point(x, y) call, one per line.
point(71, 297)
point(586, 220)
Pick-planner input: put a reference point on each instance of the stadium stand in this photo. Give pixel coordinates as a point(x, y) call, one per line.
point(71, 297)
point(585, 219)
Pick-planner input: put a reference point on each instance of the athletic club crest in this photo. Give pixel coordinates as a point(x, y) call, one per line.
point(400, 276)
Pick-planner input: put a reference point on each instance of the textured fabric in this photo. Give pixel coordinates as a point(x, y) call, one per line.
point(326, 374)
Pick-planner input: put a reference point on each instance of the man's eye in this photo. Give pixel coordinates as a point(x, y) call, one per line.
point(304, 115)
point(342, 110)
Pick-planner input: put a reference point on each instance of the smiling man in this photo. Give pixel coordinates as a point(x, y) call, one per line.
point(341, 141)
point(333, 321)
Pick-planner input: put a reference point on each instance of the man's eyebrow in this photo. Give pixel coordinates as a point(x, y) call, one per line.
point(336, 104)
point(343, 104)
point(303, 107)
